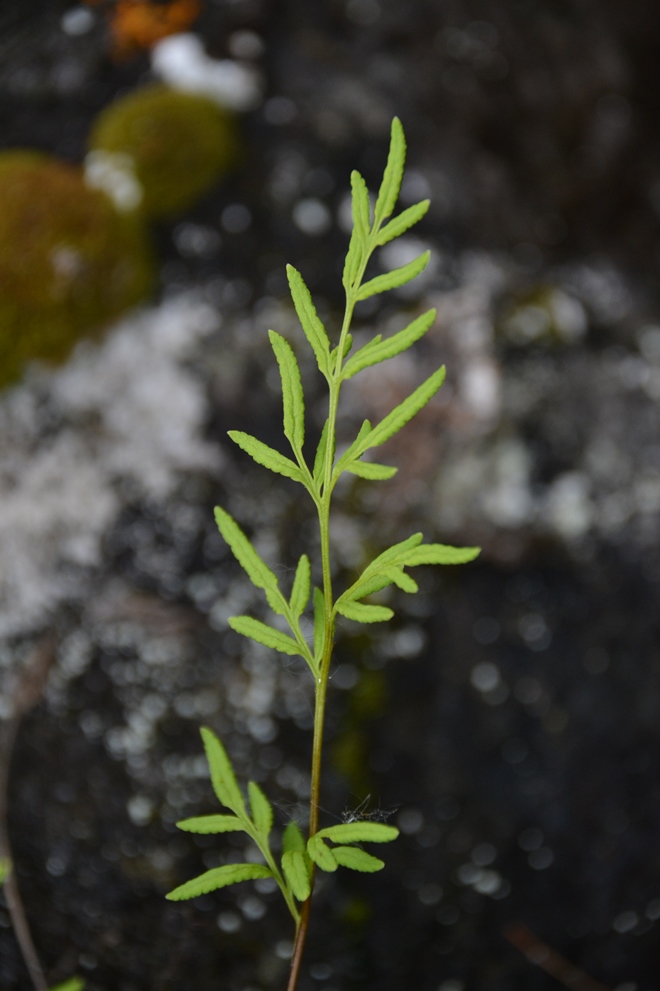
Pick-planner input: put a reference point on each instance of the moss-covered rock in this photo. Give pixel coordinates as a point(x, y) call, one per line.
point(68, 261)
point(180, 144)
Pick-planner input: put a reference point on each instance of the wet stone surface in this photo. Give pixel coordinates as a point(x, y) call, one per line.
point(507, 720)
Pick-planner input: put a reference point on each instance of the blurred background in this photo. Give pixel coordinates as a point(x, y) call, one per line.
point(161, 162)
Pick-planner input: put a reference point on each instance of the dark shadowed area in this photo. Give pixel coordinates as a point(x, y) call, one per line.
point(508, 719)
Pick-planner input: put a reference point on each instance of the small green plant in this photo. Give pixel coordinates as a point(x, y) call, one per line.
point(338, 845)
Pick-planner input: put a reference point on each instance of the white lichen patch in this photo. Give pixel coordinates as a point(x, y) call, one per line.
point(126, 412)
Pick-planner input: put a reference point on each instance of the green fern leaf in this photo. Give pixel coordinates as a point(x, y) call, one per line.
point(377, 574)
point(73, 984)
point(369, 469)
point(360, 354)
point(394, 279)
point(297, 873)
point(262, 811)
point(393, 175)
point(218, 877)
point(357, 860)
point(366, 586)
point(266, 456)
point(360, 207)
point(223, 778)
point(359, 832)
point(402, 580)
point(301, 587)
point(211, 824)
point(292, 391)
point(441, 554)
point(267, 635)
point(292, 838)
point(354, 450)
point(319, 460)
point(321, 854)
point(394, 345)
point(360, 612)
point(401, 414)
point(394, 554)
point(407, 219)
point(257, 570)
point(311, 324)
point(354, 257)
point(357, 247)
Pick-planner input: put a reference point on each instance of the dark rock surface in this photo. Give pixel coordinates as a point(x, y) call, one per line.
point(509, 719)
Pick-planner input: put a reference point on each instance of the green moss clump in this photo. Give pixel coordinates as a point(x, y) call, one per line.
point(180, 144)
point(68, 261)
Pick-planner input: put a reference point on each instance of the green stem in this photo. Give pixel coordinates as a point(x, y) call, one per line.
point(321, 686)
point(323, 508)
point(315, 791)
point(270, 860)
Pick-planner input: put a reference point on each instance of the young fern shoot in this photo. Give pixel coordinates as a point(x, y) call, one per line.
point(335, 846)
